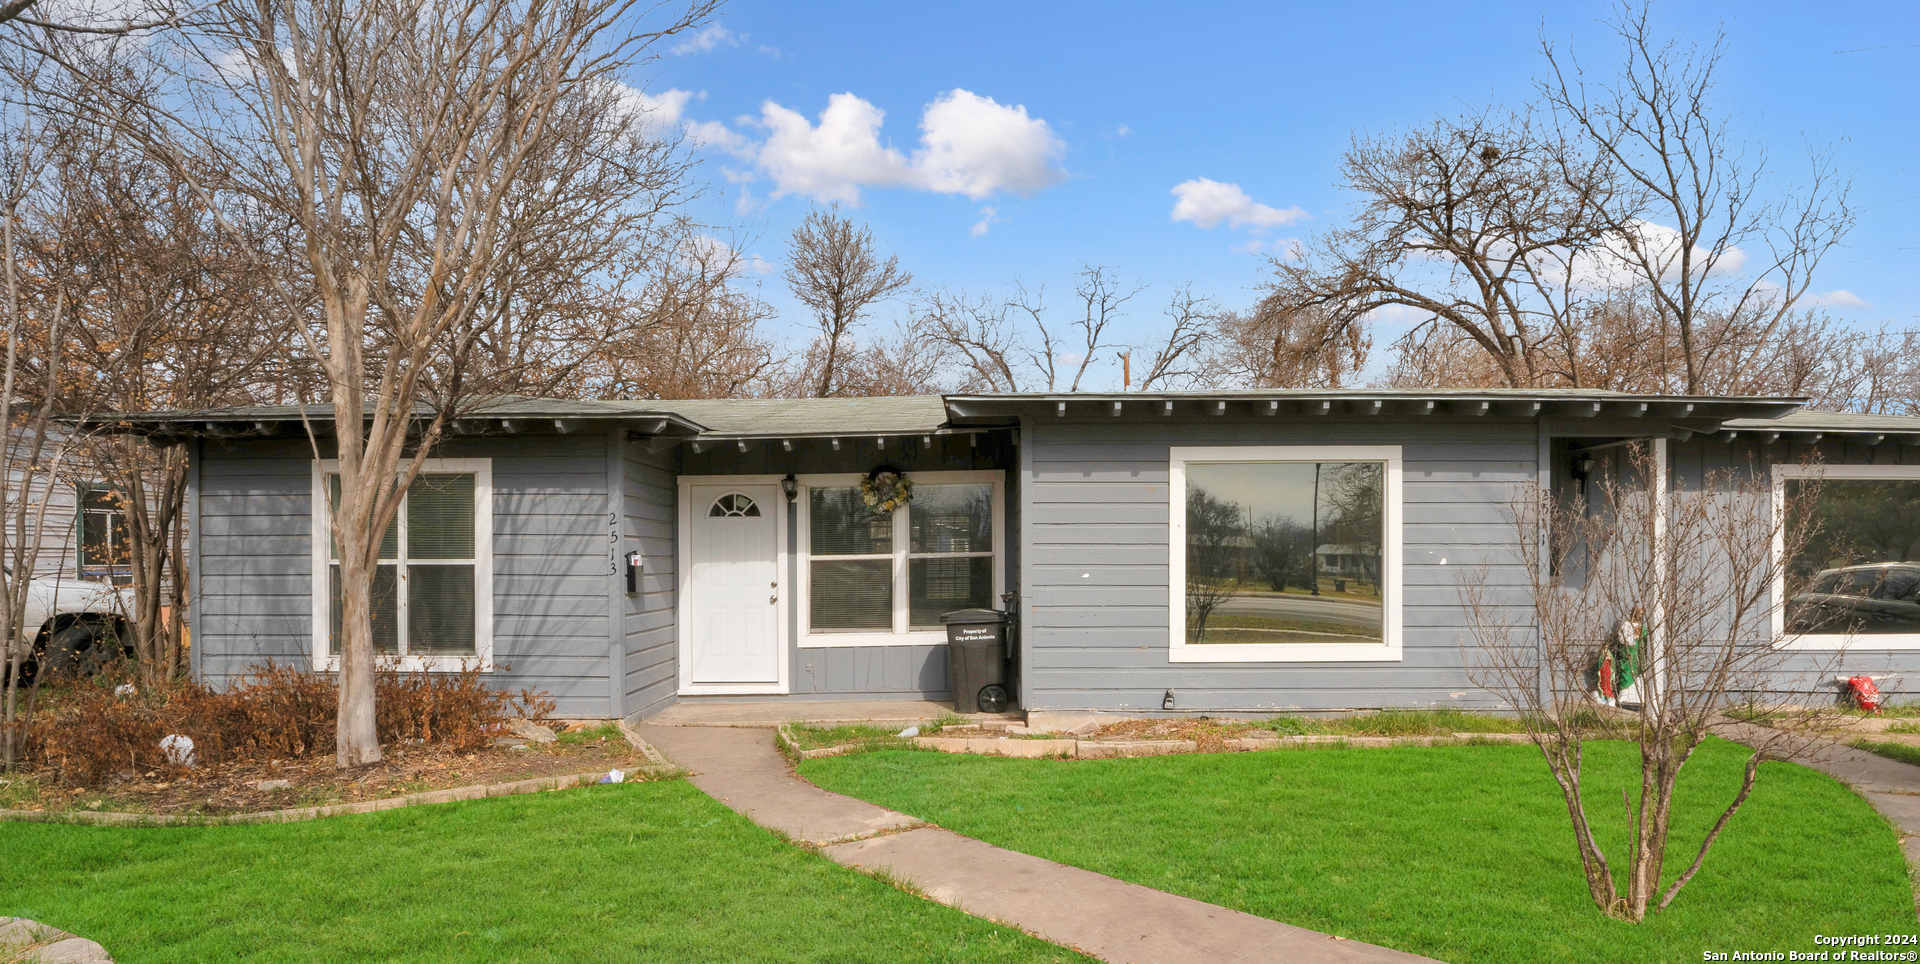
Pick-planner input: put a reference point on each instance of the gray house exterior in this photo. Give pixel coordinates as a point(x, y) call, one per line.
point(761, 578)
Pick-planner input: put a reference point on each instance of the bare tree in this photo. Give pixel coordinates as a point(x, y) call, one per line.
point(165, 315)
point(1703, 201)
point(432, 157)
point(1477, 222)
point(1274, 345)
point(1682, 578)
point(692, 331)
point(981, 330)
point(1181, 360)
point(835, 270)
point(109, 19)
point(1100, 296)
point(33, 453)
point(905, 361)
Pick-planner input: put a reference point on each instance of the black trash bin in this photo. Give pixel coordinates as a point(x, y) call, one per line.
point(977, 660)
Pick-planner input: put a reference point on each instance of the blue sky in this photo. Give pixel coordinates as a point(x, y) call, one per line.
point(1123, 102)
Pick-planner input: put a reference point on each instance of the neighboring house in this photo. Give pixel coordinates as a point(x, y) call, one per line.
point(764, 577)
point(82, 533)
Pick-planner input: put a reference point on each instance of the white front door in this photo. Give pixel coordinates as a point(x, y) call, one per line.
point(734, 592)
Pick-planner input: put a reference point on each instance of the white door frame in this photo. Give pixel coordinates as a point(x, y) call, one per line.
point(683, 628)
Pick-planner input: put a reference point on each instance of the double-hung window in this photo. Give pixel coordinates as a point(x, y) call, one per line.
point(432, 590)
point(1284, 553)
point(874, 579)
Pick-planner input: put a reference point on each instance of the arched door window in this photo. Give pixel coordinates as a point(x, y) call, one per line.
point(733, 504)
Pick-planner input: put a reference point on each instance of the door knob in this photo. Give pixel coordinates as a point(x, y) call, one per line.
point(773, 598)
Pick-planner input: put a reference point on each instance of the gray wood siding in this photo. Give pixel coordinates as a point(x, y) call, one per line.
point(550, 626)
point(649, 519)
point(1097, 504)
point(871, 673)
point(254, 585)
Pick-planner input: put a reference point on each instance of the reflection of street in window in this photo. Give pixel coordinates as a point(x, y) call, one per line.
point(1284, 552)
point(1860, 571)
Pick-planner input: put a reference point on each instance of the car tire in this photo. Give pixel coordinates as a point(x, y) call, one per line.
point(78, 651)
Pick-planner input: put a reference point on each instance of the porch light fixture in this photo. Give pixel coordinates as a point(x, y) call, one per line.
point(791, 486)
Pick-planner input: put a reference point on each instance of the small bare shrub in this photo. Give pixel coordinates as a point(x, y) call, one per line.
point(276, 712)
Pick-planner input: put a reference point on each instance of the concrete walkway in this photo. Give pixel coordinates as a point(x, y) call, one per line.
point(729, 712)
point(1098, 915)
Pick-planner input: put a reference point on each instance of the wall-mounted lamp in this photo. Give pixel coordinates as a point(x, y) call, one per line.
point(791, 486)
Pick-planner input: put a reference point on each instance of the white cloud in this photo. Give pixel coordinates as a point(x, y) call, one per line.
point(1615, 264)
point(662, 110)
point(773, 52)
point(1398, 315)
point(831, 161)
point(987, 217)
point(977, 146)
point(1207, 202)
point(969, 145)
point(1122, 131)
point(717, 135)
point(704, 41)
point(1838, 298)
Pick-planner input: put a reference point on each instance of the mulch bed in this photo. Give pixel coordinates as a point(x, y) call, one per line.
point(1210, 735)
point(316, 781)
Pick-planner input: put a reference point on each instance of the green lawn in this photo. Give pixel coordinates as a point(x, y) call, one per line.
point(640, 872)
point(1461, 853)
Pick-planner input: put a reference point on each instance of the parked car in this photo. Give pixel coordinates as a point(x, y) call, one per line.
point(81, 624)
point(1883, 597)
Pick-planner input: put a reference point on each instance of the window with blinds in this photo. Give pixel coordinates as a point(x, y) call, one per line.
point(425, 589)
point(898, 573)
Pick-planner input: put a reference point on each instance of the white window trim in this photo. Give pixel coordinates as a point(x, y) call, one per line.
point(683, 588)
point(900, 634)
point(1829, 642)
point(1181, 651)
point(482, 470)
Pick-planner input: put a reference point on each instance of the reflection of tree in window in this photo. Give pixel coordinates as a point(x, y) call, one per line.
point(1351, 493)
point(1213, 529)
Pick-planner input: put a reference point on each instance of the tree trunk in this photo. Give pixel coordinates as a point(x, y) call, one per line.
point(357, 742)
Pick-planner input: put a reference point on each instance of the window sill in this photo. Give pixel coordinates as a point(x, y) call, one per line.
point(415, 664)
point(1283, 653)
point(933, 637)
point(1831, 643)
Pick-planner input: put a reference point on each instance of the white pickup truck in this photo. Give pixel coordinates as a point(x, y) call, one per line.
point(76, 626)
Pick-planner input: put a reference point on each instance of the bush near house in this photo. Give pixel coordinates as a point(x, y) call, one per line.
point(87, 733)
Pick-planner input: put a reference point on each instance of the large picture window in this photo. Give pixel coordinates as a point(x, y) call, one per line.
point(1856, 582)
point(876, 579)
point(1285, 553)
point(432, 589)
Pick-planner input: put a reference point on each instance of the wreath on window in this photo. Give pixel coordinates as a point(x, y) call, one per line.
point(886, 489)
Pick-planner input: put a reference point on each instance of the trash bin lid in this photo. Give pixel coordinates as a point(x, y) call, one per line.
point(973, 616)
